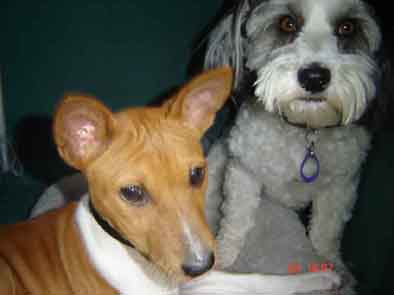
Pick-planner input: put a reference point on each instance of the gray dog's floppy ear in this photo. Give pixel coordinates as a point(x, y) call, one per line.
point(225, 45)
point(380, 112)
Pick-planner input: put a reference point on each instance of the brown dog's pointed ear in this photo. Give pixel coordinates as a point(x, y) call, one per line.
point(198, 101)
point(82, 129)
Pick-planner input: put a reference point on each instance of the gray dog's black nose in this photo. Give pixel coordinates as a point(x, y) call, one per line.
point(198, 267)
point(314, 78)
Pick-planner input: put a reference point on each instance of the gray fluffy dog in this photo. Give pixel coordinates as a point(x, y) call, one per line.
point(307, 72)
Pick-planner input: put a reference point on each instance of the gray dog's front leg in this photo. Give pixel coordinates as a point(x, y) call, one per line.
point(217, 159)
point(331, 211)
point(241, 200)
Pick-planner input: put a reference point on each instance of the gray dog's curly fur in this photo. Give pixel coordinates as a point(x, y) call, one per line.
point(316, 78)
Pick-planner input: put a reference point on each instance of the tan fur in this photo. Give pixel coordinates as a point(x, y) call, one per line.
point(151, 147)
point(46, 254)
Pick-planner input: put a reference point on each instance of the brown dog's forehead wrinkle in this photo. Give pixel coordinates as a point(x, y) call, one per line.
point(163, 141)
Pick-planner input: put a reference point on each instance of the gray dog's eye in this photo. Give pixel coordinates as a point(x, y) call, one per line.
point(288, 24)
point(134, 194)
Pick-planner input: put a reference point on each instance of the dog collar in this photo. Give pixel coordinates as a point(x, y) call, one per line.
point(107, 227)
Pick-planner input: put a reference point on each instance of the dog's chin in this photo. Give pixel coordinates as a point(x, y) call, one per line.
point(177, 276)
point(173, 276)
point(311, 113)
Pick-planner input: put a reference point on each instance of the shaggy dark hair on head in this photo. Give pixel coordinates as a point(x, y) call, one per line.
point(379, 114)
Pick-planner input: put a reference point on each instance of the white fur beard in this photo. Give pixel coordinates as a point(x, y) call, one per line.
point(343, 102)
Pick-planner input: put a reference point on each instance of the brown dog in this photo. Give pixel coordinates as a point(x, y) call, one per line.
point(142, 229)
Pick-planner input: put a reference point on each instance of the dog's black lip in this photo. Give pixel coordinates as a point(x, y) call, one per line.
point(312, 99)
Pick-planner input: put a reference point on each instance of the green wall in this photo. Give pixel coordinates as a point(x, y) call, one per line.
point(124, 52)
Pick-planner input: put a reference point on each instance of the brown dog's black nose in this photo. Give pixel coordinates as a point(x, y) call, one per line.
point(198, 267)
point(314, 78)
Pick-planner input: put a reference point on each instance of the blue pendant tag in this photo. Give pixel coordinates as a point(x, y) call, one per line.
point(310, 157)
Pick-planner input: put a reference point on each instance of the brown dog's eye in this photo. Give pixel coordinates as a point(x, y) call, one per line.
point(288, 24)
point(346, 28)
point(134, 194)
point(197, 176)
